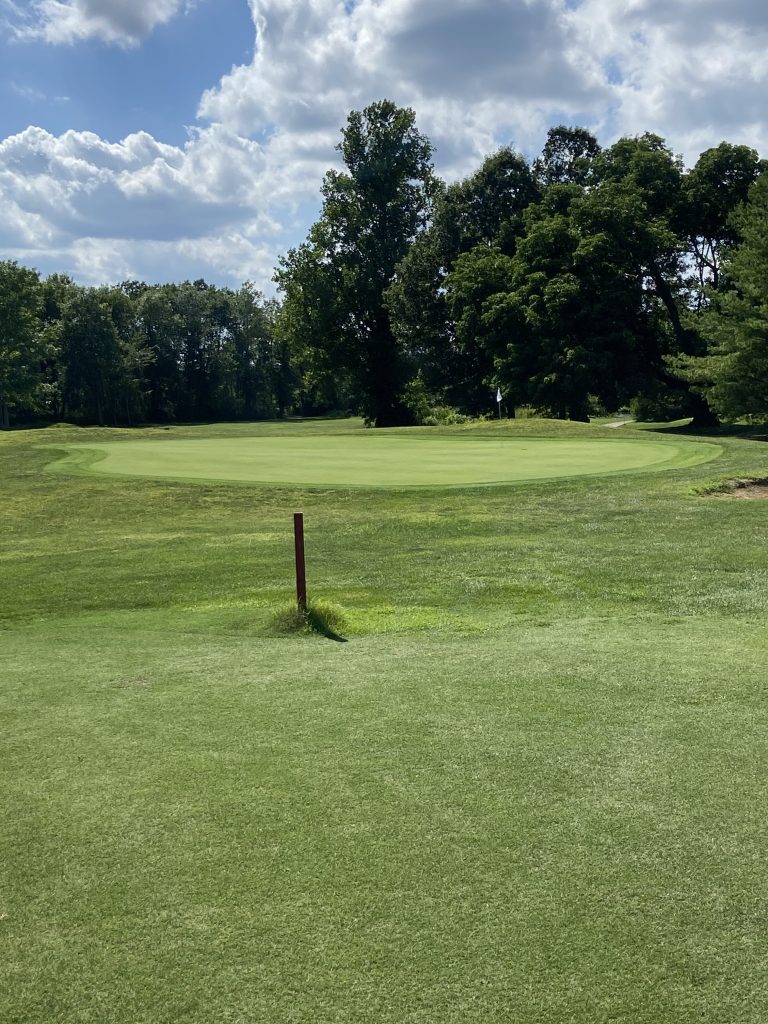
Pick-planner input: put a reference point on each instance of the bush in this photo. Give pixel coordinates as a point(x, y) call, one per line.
point(420, 405)
point(444, 416)
point(416, 399)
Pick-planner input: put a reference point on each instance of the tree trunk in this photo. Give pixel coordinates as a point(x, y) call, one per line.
point(703, 416)
point(682, 336)
point(5, 416)
point(384, 379)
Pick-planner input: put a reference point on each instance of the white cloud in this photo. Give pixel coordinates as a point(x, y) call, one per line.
point(124, 22)
point(476, 72)
point(78, 171)
point(28, 93)
point(103, 204)
point(695, 71)
point(479, 73)
point(231, 257)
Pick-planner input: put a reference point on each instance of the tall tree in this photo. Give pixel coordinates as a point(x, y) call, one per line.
point(567, 156)
point(733, 375)
point(714, 189)
point(162, 330)
point(371, 214)
point(20, 338)
point(102, 371)
point(477, 291)
point(250, 359)
point(645, 174)
point(308, 326)
point(561, 317)
point(484, 210)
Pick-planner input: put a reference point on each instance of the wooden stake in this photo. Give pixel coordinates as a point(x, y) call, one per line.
point(301, 576)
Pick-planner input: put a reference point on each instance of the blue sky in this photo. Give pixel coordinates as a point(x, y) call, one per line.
point(165, 139)
point(114, 90)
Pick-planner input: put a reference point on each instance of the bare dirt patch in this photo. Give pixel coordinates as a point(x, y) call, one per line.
point(746, 490)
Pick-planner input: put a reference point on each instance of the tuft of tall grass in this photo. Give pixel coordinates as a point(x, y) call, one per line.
point(322, 617)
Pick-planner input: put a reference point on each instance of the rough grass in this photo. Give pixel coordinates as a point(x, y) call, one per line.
point(318, 617)
point(531, 787)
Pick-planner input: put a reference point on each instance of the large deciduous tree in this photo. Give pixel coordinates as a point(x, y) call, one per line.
point(644, 171)
point(20, 337)
point(567, 156)
point(715, 188)
point(483, 211)
point(90, 354)
point(733, 375)
point(562, 317)
point(334, 284)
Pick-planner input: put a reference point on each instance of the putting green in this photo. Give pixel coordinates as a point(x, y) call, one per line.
point(380, 460)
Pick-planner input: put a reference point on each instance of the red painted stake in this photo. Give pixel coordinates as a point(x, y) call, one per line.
point(301, 577)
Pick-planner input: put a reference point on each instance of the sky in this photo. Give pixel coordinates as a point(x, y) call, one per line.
point(166, 140)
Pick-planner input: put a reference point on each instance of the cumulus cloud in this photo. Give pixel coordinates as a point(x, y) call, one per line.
point(476, 72)
point(103, 204)
point(479, 73)
point(230, 257)
point(70, 173)
point(485, 72)
point(125, 22)
point(695, 71)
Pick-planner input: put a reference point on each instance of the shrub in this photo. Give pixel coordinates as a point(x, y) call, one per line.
point(444, 416)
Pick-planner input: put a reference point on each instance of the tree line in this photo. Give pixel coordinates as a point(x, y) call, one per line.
point(583, 281)
point(137, 353)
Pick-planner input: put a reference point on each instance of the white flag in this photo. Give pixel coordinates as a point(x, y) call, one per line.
point(498, 394)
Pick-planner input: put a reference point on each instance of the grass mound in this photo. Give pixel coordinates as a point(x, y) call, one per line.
point(321, 617)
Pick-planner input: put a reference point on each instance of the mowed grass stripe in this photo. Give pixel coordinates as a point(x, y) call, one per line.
point(396, 459)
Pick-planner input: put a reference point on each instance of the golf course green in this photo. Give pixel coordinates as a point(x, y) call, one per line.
point(371, 459)
point(529, 788)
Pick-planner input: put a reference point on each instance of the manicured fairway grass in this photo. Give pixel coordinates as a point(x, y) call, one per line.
point(530, 788)
point(374, 459)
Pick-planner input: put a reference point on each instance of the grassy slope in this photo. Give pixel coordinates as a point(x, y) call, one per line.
point(531, 787)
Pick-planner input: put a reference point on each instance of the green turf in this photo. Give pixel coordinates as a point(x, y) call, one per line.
point(530, 788)
point(374, 459)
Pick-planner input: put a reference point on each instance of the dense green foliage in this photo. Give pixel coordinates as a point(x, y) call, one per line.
point(20, 338)
point(584, 280)
point(531, 787)
point(733, 374)
point(576, 283)
point(335, 283)
point(118, 355)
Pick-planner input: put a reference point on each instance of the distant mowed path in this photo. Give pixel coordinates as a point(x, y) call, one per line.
point(374, 459)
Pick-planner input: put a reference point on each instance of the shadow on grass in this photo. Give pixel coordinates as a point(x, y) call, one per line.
point(749, 432)
point(320, 617)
